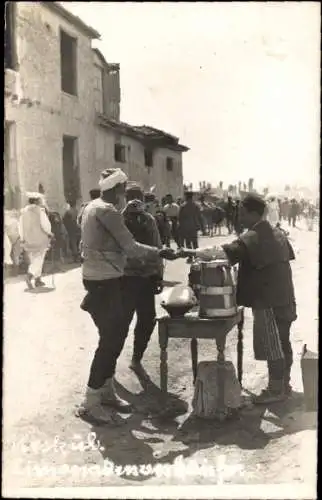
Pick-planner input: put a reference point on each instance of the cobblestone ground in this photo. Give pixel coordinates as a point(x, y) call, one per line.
point(48, 346)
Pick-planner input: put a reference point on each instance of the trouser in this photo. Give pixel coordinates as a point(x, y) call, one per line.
point(281, 369)
point(104, 302)
point(74, 244)
point(292, 220)
point(138, 296)
point(36, 262)
point(174, 230)
point(191, 242)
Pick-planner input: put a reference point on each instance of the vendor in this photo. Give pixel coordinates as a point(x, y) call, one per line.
point(264, 284)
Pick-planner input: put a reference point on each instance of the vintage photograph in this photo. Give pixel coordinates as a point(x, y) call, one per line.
point(161, 250)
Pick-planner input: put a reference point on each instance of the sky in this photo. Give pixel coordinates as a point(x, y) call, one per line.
point(238, 83)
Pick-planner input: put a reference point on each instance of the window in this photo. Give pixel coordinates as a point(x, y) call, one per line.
point(119, 153)
point(148, 158)
point(169, 164)
point(68, 63)
point(10, 36)
point(71, 176)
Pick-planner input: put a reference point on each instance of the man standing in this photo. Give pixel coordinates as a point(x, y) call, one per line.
point(190, 222)
point(106, 245)
point(35, 235)
point(229, 212)
point(264, 284)
point(142, 278)
point(73, 230)
point(171, 210)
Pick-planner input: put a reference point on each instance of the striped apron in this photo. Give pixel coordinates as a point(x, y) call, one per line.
point(266, 339)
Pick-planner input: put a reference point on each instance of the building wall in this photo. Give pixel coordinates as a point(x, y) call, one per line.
point(165, 182)
point(42, 113)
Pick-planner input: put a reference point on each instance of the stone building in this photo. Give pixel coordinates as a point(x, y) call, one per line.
point(62, 113)
point(49, 104)
point(146, 154)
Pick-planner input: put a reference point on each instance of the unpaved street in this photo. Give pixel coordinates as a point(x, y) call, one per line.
point(48, 346)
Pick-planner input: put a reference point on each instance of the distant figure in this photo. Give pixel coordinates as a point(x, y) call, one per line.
point(218, 217)
point(190, 222)
point(93, 194)
point(73, 230)
point(171, 210)
point(229, 212)
point(293, 213)
point(273, 211)
point(35, 234)
point(164, 226)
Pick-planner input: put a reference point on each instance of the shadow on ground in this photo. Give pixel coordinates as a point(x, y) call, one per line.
point(12, 277)
point(154, 422)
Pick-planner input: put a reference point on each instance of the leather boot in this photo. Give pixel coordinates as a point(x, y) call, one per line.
point(92, 407)
point(110, 398)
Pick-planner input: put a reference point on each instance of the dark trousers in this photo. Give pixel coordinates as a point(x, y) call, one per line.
point(138, 296)
point(191, 242)
point(281, 368)
point(104, 302)
point(175, 230)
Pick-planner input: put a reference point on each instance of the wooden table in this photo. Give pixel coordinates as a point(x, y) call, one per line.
point(192, 327)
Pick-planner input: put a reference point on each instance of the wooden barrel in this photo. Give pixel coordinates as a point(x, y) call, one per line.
point(217, 290)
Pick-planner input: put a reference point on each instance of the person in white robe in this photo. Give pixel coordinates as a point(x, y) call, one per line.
point(35, 234)
point(273, 212)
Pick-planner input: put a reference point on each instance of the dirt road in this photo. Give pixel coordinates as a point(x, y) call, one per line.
point(48, 346)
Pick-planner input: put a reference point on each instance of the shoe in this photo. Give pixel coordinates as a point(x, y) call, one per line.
point(29, 282)
point(91, 408)
point(268, 396)
point(110, 398)
point(39, 282)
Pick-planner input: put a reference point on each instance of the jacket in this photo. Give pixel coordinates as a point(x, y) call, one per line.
point(107, 243)
point(34, 228)
point(144, 229)
point(264, 276)
point(190, 219)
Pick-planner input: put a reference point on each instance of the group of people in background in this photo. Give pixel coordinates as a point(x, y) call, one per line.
point(180, 221)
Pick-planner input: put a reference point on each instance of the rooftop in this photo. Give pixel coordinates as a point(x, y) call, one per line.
point(57, 8)
point(111, 66)
point(149, 135)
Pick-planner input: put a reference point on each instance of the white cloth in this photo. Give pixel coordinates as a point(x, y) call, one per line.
point(171, 210)
point(273, 213)
point(34, 228)
point(7, 250)
point(36, 262)
point(117, 177)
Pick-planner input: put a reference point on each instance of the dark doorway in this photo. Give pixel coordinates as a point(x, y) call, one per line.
point(71, 176)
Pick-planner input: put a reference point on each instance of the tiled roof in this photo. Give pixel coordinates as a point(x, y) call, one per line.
point(144, 133)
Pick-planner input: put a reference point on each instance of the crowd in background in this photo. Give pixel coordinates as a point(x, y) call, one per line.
point(180, 221)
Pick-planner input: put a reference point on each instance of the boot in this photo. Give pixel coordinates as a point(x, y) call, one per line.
point(39, 282)
point(274, 393)
point(110, 398)
point(91, 407)
point(29, 282)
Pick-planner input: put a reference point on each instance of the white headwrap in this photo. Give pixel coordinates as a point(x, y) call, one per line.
point(117, 177)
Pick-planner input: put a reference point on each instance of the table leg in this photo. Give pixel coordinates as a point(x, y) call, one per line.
point(194, 357)
point(163, 343)
point(221, 343)
point(240, 348)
